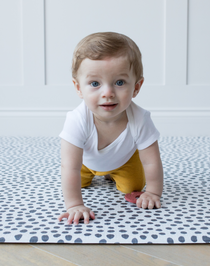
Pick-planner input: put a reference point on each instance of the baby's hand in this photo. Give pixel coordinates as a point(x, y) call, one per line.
point(76, 213)
point(148, 200)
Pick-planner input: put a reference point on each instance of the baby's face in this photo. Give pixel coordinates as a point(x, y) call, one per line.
point(107, 86)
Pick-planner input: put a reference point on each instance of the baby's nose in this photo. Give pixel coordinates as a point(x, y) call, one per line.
point(108, 92)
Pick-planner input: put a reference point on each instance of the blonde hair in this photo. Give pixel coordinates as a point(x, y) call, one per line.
point(100, 45)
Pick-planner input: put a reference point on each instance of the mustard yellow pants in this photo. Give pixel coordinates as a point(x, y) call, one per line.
point(129, 177)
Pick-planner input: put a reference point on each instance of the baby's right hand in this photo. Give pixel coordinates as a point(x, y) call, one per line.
point(76, 213)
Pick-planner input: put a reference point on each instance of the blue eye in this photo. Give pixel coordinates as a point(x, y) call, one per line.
point(120, 82)
point(94, 84)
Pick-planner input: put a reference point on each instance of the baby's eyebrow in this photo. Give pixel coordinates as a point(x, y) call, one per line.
point(124, 74)
point(92, 76)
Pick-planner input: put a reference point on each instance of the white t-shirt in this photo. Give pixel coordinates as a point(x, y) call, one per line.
point(79, 129)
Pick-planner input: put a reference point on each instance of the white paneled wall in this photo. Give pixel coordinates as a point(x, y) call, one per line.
point(37, 39)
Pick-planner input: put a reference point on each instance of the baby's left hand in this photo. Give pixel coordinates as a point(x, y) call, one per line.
point(148, 200)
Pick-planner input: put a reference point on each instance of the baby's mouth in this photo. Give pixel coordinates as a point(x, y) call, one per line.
point(108, 106)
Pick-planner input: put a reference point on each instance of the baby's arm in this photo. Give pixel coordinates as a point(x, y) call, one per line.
point(71, 163)
point(150, 158)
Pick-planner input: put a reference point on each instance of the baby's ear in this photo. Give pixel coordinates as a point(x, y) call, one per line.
point(77, 87)
point(138, 87)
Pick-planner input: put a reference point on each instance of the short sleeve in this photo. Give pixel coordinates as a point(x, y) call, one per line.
point(74, 129)
point(147, 133)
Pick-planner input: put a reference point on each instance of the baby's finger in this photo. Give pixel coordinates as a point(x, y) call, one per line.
point(158, 204)
point(71, 218)
point(151, 204)
point(77, 217)
point(92, 215)
point(86, 217)
point(139, 202)
point(63, 215)
point(145, 203)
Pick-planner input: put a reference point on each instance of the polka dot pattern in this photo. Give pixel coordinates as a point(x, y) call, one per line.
point(31, 197)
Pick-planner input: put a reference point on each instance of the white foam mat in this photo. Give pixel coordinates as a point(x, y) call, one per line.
point(31, 197)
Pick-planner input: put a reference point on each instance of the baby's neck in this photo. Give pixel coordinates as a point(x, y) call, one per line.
point(121, 119)
point(109, 131)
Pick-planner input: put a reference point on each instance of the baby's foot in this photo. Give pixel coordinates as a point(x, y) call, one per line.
point(108, 177)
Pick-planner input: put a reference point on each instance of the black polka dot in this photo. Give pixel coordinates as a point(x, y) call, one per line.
point(68, 237)
point(45, 238)
point(206, 239)
point(194, 239)
point(33, 239)
point(135, 233)
point(143, 237)
point(57, 235)
point(170, 240)
point(125, 236)
point(181, 239)
point(154, 236)
point(18, 237)
point(103, 241)
point(110, 236)
point(135, 241)
point(78, 240)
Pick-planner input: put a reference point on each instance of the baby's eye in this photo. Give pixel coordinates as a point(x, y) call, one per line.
point(120, 82)
point(94, 84)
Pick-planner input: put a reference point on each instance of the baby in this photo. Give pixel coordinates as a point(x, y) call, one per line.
point(108, 134)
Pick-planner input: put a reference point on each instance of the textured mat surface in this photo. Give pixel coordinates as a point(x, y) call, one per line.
point(31, 197)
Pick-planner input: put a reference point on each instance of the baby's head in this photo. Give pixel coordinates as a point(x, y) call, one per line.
point(101, 45)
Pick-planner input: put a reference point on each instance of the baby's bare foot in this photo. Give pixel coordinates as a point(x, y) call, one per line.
point(108, 177)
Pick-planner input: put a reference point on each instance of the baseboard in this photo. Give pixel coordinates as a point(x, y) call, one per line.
point(49, 122)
